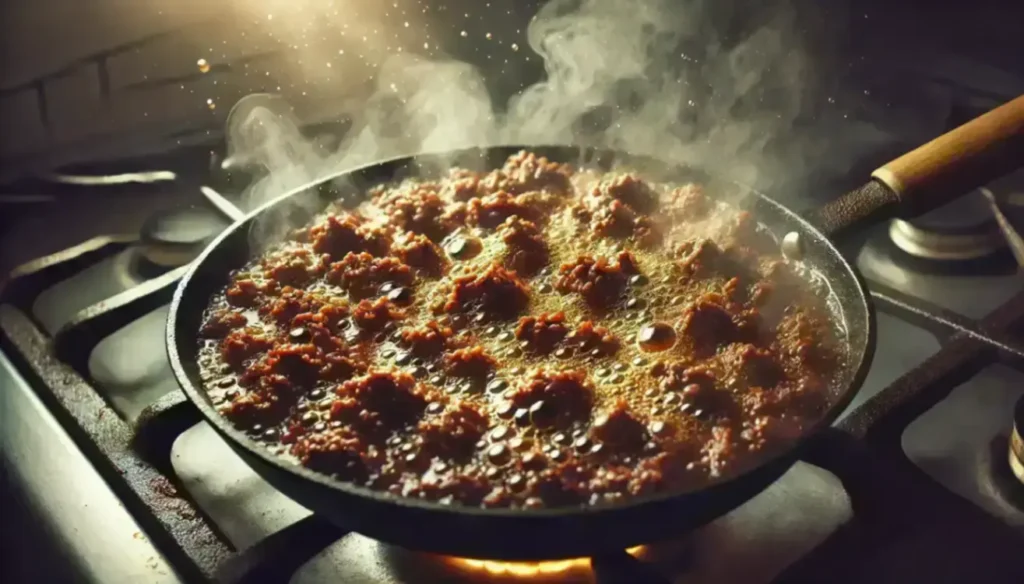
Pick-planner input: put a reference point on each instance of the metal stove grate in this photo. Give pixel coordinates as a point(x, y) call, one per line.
point(899, 511)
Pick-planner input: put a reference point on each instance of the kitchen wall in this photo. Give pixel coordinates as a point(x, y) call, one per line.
point(81, 78)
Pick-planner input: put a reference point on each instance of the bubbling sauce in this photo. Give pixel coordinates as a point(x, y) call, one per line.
point(534, 336)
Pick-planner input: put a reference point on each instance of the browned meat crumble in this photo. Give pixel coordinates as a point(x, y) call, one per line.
point(533, 336)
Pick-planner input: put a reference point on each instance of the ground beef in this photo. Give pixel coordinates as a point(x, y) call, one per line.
point(753, 366)
point(719, 451)
point(453, 433)
point(241, 345)
point(744, 232)
point(379, 403)
point(593, 339)
point(361, 274)
point(472, 363)
point(305, 364)
point(421, 253)
point(300, 363)
point(335, 451)
point(374, 316)
point(542, 333)
point(496, 293)
point(470, 487)
point(426, 341)
point(301, 347)
point(331, 317)
point(618, 220)
point(259, 408)
point(293, 265)
point(338, 235)
point(491, 211)
point(291, 303)
point(629, 190)
point(243, 294)
point(525, 171)
point(619, 429)
point(554, 399)
point(699, 257)
point(527, 253)
point(807, 340)
point(688, 203)
point(463, 185)
point(221, 322)
point(708, 324)
point(419, 209)
point(600, 282)
point(677, 376)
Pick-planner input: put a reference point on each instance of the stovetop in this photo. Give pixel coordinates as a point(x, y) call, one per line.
point(939, 396)
point(95, 432)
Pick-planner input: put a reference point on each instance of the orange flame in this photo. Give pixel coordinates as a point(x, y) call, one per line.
point(528, 570)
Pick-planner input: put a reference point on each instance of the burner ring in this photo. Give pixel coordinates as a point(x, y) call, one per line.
point(175, 237)
point(945, 246)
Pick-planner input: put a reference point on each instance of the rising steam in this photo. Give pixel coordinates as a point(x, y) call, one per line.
point(646, 76)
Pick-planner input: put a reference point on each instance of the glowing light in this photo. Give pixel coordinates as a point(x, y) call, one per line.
point(204, 66)
point(528, 569)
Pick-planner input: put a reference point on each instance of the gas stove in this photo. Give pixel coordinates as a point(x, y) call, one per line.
point(97, 436)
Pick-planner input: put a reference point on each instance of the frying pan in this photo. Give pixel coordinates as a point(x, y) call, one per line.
point(923, 179)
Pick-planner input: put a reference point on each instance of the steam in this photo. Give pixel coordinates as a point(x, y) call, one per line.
point(647, 76)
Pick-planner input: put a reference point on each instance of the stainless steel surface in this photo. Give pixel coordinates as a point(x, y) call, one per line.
point(87, 520)
point(961, 442)
point(750, 545)
point(224, 206)
point(56, 305)
point(130, 366)
point(1013, 238)
point(932, 245)
point(972, 293)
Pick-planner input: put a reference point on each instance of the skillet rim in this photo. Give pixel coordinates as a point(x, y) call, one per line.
point(845, 395)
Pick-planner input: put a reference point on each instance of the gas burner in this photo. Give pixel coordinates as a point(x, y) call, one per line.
point(963, 230)
point(175, 237)
point(568, 570)
point(1017, 441)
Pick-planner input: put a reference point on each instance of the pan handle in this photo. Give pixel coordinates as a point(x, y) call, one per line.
point(934, 174)
point(983, 149)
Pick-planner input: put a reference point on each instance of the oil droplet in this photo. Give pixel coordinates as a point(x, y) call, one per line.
point(426, 45)
point(489, 36)
point(406, 25)
point(464, 34)
point(204, 66)
point(515, 47)
point(831, 100)
point(210, 104)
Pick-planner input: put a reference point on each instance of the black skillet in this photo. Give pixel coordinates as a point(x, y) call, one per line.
point(923, 179)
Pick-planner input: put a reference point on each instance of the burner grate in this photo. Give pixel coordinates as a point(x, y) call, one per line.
point(863, 446)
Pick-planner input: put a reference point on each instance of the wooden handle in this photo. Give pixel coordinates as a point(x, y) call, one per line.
point(981, 150)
